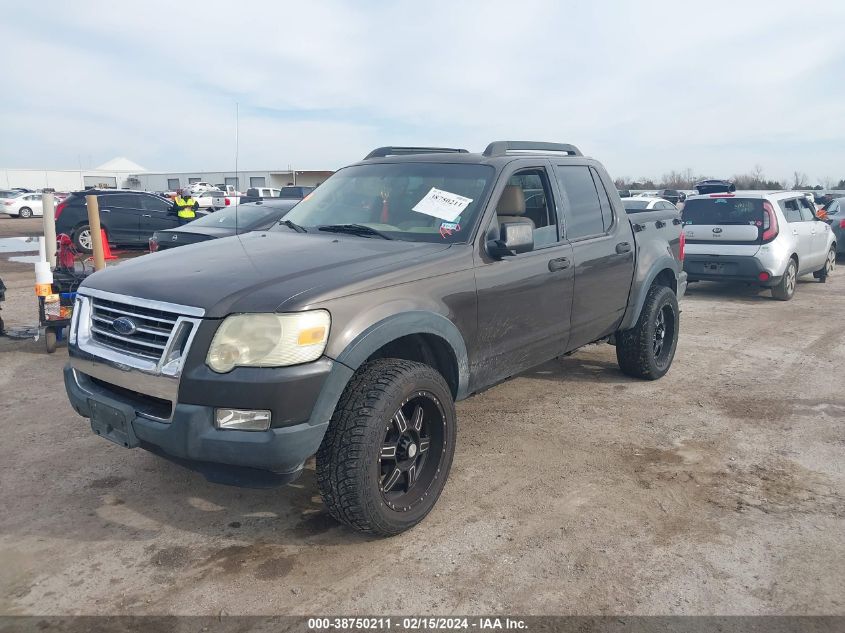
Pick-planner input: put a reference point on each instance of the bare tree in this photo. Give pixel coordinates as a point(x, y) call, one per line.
point(799, 180)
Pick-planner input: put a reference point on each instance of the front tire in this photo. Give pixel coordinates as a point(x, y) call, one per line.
point(785, 290)
point(646, 351)
point(25, 212)
point(387, 452)
point(829, 265)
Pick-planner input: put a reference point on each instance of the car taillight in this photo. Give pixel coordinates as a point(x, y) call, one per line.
point(770, 223)
point(842, 224)
point(228, 202)
point(682, 245)
point(153, 245)
point(60, 208)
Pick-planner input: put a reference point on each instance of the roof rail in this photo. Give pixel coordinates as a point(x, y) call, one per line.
point(501, 148)
point(381, 152)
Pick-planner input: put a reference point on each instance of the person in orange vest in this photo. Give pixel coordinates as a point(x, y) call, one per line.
point(185, 206)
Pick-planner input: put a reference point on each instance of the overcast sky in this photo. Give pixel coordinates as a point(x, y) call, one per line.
point(643, 86)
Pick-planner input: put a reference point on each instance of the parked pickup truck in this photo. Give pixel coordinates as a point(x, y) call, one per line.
point(405, 282)
point(253, 194)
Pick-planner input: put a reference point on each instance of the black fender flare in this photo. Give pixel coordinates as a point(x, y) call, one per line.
point(638, 300)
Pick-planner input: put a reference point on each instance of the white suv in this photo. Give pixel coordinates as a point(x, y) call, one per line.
point(765, 238)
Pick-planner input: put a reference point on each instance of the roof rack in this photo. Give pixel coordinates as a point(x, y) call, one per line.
point(501, 148)
point(381, 152)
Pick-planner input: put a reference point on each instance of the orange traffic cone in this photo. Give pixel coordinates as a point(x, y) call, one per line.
point(107, 254)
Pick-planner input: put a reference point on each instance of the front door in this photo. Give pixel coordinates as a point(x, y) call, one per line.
point(603, 254)
point(818, 231)
point(524, 301)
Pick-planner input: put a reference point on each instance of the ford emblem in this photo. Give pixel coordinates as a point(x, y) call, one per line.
point(124, 325)
point(717, 230)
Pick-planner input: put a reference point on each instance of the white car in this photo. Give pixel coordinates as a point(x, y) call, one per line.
point(641, 203)
point(25, 205)
point(768, 239)
point(201, 187)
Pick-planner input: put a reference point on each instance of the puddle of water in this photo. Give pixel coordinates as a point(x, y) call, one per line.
point(18, 244)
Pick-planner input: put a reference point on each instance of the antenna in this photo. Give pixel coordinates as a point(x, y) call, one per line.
point(237, 176)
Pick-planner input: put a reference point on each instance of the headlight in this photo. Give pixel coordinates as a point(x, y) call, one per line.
point(269, 340)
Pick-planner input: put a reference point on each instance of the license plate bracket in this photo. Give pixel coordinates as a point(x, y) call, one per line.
point(113, 424)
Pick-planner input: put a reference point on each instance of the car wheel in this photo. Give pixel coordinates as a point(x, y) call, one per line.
point(82, 239)
point(785, 290)
point(829, 265)
point(387, 452)
point(25, 212)
point(646, 350)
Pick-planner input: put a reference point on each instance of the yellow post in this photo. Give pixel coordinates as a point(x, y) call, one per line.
point(96, 235)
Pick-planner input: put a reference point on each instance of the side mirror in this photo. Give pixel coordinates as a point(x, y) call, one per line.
point(516, 236)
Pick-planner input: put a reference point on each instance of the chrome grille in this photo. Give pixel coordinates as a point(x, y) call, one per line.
point(152, 328)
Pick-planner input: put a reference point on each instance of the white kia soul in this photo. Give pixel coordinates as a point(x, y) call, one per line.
point(768, 239)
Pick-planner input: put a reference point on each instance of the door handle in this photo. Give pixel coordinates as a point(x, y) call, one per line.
point(561, 263)
point(106, 210)
point(623, 247)
point(146, 215)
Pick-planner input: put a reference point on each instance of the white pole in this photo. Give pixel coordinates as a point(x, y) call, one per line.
point(48, 204)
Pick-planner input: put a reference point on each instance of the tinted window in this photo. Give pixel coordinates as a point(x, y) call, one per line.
point(723, 211)
point(583, 211)
point(154, 203)
point(604, 200)
point(120, 200)
point(833, 209)
point(635, 205)
point(791, 210)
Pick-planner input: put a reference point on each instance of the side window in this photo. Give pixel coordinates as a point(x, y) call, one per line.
point(528, 195)
point(807, 212)
point(791, 210)
point(604, 200)
point(583, 211)
point(833, 209)
point(118, 201)
point(152, 203)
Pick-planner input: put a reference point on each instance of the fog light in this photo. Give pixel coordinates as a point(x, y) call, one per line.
point(764, 276)
point(243, 419)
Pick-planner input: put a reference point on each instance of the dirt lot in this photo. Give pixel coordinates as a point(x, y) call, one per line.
point(575, 490)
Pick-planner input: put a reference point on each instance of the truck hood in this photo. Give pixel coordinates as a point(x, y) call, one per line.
point(255, 272)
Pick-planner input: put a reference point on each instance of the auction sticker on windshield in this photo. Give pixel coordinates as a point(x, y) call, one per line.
point(442, 204)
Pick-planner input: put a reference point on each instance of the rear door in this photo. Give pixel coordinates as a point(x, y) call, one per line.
point(603, 254)
point(802, 230)
point(157, 215)
point(120, 215)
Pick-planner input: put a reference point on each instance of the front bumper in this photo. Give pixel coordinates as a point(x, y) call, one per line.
point(727, 268)
point(248, 458)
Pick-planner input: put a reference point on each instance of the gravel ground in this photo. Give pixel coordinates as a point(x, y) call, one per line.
point(719, 489)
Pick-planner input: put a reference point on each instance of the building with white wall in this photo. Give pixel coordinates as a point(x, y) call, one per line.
point(241, 181)
point(122, 173)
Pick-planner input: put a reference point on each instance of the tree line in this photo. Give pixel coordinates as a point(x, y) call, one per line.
point(755, 179)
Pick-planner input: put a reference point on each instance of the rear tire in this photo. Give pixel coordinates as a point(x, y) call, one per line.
point(387, 452)
point(785, 290)
point(647, 349)
point(829, 265)
point(25, 212)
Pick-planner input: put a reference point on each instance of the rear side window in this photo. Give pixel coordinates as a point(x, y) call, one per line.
point(583, 211)
point(791, 210)
point(725, 211)
point(604, 200)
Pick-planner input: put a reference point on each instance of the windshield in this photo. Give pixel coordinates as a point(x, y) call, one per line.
point(419, 202)
point(724, 211)
point(248, 215)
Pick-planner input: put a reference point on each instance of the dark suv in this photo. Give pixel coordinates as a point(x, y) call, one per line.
point(129, 217)
point(295, 192)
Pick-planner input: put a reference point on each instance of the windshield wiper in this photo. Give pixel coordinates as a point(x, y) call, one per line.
point(354, 229)
point(293, 225)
